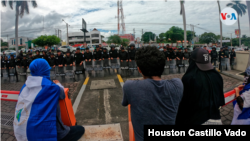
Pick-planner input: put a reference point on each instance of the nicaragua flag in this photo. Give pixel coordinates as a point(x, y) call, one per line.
point(35, 113)
point(242, 117)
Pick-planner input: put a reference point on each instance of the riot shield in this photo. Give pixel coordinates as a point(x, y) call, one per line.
point(88, 65)
point(132, 65)
point(186, 64)
point(180, 66)
point(166, 68)
point(12, 75)
point(106, 63)
point(228, 67)
point(79, 72)
point(52, 73)
point(4, 75)
point(124, 64)
point(69, 71)
point(98, 65)
point(22, 74)
point(60, 71)
point(172, 67)
point(233, 63)
point(115, 63)
point(223, 64)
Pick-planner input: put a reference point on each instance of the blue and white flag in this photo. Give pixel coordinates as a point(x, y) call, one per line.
point(35, 113)
point(242, 117)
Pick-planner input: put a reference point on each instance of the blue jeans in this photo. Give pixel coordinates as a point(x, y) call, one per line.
point(74, 134)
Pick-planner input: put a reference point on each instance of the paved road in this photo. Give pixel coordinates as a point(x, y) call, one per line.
point(103, 106)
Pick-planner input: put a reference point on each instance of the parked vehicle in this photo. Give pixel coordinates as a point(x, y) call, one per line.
point(9, 52)
point(64, 49)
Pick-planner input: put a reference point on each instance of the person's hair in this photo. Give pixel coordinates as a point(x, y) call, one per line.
point(150, 60)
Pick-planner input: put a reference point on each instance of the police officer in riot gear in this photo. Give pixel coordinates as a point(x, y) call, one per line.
point(49, 52)
point(88, 55)
point(232, 56)
point(31, 58)
point(131, 52)
point(18, 61)
point(45, 56)
point(12, 62)
point(59, 59)
point(226, 52)
point(214, 56)
point(168, 47)
point(186, 54)
point(113, 53)
point(68, 60)
point(25, 62)
point(37, 54)
point(97, 54)
point(21, 55)
point(105, 54)
point(171, 54)
point(123, 55)
point(221, 55)
point(52, 60)
point(79, 57)
point(166, 53)
point(179, 55)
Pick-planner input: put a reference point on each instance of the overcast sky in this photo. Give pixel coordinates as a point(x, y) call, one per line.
point(156, 16)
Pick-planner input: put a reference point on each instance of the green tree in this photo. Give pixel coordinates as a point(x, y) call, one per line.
point(4, 43)
point(147, 36)
point(174, 34)
point(44, 40)
point(125, 42)
point(21, 6)
point(208, 38)
point(162, 37)
point(241, 10)
point(114, 39)
point(190, 35)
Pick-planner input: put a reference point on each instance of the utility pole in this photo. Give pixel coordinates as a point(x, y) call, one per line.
point(231, 38)
point(134, 32)
point(67, 34)
point(142, 35)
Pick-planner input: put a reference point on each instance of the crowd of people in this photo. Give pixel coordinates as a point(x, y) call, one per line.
point(194, 99)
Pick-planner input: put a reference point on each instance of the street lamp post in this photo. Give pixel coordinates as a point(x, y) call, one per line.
point(192, 26)
point(67, 25)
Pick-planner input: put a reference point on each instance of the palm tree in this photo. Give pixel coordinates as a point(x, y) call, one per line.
point(240, 9)
point(220, 24)
point(21, 6)
point(184, 21)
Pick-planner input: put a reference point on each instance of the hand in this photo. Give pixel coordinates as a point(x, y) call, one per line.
point(170, 59)
point(65, 65)
point(129, 60)
point(74, 64)
point(80, 64)
point(70, 65)
point(18, 66)
point(234, 57)
point(100, 59)
point(221, 56)
point(89, 60)
point(54, 66)
point(22, 66)
point(121, 60)
point(56, 81)
point(27, 67)
point(126, 60)
point(117, 57)
point(109, 58)
point(86, 60)
point(94, 59)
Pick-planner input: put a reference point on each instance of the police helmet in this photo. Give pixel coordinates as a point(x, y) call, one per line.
point(38, 51)
point(87, 48)
point(30, 53)
point(78, 49)
point(52, 54)
point(213, 47)
point(112, 46)
point(122, 48)
point(68, 52)
point(132, 45)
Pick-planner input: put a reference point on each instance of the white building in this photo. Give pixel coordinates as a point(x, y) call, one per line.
point(92, 38)
point(21, 41)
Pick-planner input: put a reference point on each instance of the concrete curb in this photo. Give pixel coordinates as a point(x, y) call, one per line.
point(233, 76)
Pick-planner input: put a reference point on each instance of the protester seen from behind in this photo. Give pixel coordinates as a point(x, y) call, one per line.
point(153, 101)
point(38, 115)
point(242, 102)
point(203, 92)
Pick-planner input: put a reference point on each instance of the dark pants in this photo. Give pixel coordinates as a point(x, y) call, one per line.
point(74, 134)
point(213, 60)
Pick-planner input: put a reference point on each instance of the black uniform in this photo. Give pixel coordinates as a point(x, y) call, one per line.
point(232, 55)
point(78, 58)
point(166, 53)
point(13, 62)
point(131, 54)
point(179, 55)
point(226, 53)
point(123, 55)
point(68, 60)
point(59, 60)
point(214, 56)
point(186, 55)
point(113, 53)
point(25, 63)
point(21, 55)
point(45, 57)
point(1, 63)
point(88, 55)
point(221, 53)
point(172, 55)
point(37, 56)
point(97, 54)
point(30, 59)
point(52, 61)
point(105, 55)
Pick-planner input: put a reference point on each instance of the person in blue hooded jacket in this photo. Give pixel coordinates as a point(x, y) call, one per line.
point(37, 113)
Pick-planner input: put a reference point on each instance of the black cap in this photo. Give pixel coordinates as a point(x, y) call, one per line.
point(201, 58)
point(221, 48)
point(37, 51)
point(232, 48)
point(58, 50)
point(87, 48)
point(12, 55)
point(78, 49)
point(52, 54)
point(132, 45)
point(68, 51)
point(104, 49)
point(213, 47)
